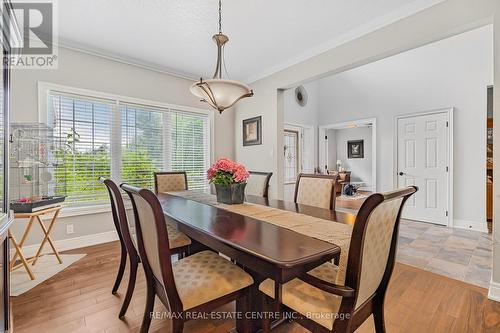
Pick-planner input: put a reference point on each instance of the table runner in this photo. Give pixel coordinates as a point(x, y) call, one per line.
point(325, 230)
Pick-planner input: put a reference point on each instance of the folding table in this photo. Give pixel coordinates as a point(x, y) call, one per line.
point(34, 216)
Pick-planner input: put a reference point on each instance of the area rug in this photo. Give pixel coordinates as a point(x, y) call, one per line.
point(46, 267)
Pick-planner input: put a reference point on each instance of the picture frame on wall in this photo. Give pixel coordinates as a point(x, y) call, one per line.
point(355, 149)
point(252, 131)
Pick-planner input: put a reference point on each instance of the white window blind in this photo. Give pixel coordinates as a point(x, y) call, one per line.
point(82, 134)
point(142, 144)
point(124, 141)
point(190, 142)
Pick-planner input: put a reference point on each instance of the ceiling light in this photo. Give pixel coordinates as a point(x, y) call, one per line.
point(220, 93)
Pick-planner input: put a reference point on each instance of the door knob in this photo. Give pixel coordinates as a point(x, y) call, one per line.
point(401, 173)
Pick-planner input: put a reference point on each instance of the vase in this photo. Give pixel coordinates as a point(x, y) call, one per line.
point(230, 194)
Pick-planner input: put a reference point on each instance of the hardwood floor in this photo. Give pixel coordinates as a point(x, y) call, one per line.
point(79, 299)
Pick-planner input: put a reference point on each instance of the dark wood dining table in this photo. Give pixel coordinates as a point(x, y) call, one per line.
point(263, 249)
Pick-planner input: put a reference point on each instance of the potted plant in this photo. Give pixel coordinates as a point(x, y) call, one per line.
point(229, 179)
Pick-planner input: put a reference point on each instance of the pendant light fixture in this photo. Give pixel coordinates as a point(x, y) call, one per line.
point(220, 93)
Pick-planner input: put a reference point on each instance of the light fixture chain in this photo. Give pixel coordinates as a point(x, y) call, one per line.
point(220, 16)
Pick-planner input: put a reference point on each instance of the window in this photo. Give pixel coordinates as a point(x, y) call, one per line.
point(82, 135)
point(113, 137)
point(143, 150)
point(189, 146)
point(291, 162)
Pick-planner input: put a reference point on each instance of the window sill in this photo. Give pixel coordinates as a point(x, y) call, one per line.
point(71, 211)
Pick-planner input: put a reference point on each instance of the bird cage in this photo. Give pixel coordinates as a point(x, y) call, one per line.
point(33, 164)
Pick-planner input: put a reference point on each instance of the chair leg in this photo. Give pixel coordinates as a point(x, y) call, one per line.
point(266, 318)
point(336, 259)
point(150, 302)
point(121, 270)
point(177, 325)
point(378, 316)
point(245, 302)
point(130, 287)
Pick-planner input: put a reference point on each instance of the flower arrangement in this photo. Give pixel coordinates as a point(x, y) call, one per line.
point(229, 179)
point(227, 172)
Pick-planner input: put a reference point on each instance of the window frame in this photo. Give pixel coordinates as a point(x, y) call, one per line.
point(44, 88)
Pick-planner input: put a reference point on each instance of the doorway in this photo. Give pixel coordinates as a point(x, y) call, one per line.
point(423, 158)
point(335, 142)
point(298, 141)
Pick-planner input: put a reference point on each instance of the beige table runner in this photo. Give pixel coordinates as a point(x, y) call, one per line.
point(325, 230)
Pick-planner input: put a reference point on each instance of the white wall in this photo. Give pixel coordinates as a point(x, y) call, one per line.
point(443, 20)
point(332, 149)
point(452, 72)
point(361, 168)
point(82, 70)
point(295, 114)
point(301, 116)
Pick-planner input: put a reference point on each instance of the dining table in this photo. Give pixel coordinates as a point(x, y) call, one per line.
point(262, 244)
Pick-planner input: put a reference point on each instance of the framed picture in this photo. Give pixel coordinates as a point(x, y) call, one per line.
point(355, 149)
point(252, 131)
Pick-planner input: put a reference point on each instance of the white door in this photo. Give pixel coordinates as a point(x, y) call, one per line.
point(423, 161)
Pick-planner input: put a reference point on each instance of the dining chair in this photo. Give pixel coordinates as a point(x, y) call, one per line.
point(258, 183)
point(170, 181)
point(179, 242)
point(199, 283)
point(316, 190)
point(321, 305)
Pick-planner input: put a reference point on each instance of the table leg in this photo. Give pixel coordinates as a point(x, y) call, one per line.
point(47, 238)
point(23, 239)
point(255, 305)
point(21, 256)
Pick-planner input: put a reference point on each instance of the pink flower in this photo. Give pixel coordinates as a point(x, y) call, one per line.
point(211, 172)
point(240, 174)
point(238, 171)
point(225, 164)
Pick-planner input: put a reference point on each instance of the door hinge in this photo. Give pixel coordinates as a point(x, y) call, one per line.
point(446, 213)
point(326, 137)
point(326, 167)
point(447, 169)
point(447, 124)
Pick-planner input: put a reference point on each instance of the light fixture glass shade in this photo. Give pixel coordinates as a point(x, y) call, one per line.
point(219, 93)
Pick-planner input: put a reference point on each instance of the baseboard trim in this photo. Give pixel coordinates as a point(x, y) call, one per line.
point(494, 292)
point(470, 225)
point(71, 243)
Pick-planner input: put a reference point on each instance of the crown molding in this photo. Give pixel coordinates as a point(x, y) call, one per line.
point(125, 60)
point(369, 27)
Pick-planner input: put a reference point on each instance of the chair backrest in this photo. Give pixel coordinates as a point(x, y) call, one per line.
point(152, 240)
point(120, 216)
point(170, 181)
point(258, 183)
point(373, 243)
point(315, 190)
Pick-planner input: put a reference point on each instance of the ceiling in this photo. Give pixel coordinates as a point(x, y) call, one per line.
point(265, 36)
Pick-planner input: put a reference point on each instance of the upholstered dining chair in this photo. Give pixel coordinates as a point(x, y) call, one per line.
point(316, 190)
point(201, 282)
point(179, 242)
point(258, 183)
point(319, 303)
point(170, 181)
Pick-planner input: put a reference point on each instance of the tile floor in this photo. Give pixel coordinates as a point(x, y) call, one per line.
point(464, 255)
